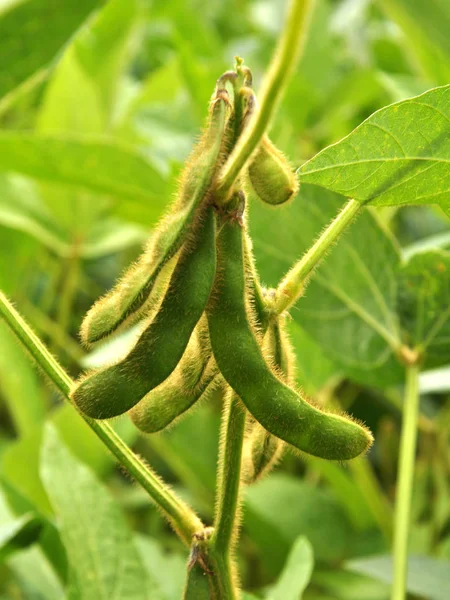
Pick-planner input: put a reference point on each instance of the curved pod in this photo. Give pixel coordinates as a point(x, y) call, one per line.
point(113, 390)
point(277, 407)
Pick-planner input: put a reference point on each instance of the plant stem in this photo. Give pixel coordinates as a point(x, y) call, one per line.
point(405, 481)
point(182, 518)
point(288, 51)
point(227, 498)
point(292, 286)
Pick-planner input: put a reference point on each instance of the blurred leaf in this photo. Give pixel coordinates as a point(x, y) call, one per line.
point(314, 369)
point(296, 573)
point(32, 33)
point(102, 166)
point(32, 572)
point(427, 576)
point(349, 304)
point(425, 32)
point(102, 556)
point(35, 576)
point(21, 208)
point(424, 305)
point(343, 585)
point(19, 533)
point(392, 158)
point(19, 384)
point(166, 570)
point(312, 513)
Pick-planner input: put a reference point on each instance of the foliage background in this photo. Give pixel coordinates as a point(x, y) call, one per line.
point(100, 104)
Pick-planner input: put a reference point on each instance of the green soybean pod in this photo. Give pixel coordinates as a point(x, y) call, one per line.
point(263, 450)
point(113, 390)
point(125, 303)
point(275, 405)
point(271, 176)
point(192, 380)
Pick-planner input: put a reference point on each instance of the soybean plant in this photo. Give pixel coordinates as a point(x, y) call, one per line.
point(209, 324)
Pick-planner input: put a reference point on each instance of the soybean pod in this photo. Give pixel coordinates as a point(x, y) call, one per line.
point(125, 303)
point(281, 410)
point(270, 174)
point(113, 390)
point(263, 450)
point(194, 379)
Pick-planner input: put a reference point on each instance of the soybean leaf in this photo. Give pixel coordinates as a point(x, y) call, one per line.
point(296, 573)
point(166, 570)
point(312, 513)
point(197, 586)
point(93, 63)
point(98, 165)
point(425, 33)
point(102, 555)
point(31, 570)
point(19, 384)
point(349, 307)
point(32, 34)
point(428, 577)
point(399, 155)
point(19, 533)
point(424, 305)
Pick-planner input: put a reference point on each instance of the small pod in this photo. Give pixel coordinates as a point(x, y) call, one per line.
point(276, 406)
point(271, 176)
point(126, 301)
point(113, 390)
point(191, 381)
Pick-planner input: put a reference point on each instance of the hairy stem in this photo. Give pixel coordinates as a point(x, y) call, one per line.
point(227, 499)
point(405, 481)
point(182, 518)
point(288, 51)
point(292, 286)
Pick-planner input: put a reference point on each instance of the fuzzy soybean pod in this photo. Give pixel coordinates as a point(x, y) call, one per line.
point(125, 303)
point(277, 407)
point(263, 450)
point(271, 176)
point(192, 380)
point(113, 390)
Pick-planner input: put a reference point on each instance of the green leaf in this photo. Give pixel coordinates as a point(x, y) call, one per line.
point(102, 555)
point(32, 20)
point(296, 573)
point(312, 513)
point(425, 33)
point(19, 384)
point(399, 155)
point(349, 307)
point(101, 166)
point(19, 533)
point(428, 577)
point(424, 305)
point(197, 586)
point(166, 570)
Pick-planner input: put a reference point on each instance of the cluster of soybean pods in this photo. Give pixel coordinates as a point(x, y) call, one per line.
point(207, 322)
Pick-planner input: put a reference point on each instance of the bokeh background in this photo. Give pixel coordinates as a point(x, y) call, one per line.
point(100, 104)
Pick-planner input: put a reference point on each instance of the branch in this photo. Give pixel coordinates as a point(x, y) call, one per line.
point(182, 518)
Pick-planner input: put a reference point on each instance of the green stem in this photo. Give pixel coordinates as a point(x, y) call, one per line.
point(227, 508)
point(182, 518)
point(405, 481)
point(292, 286)
point(288, 51)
